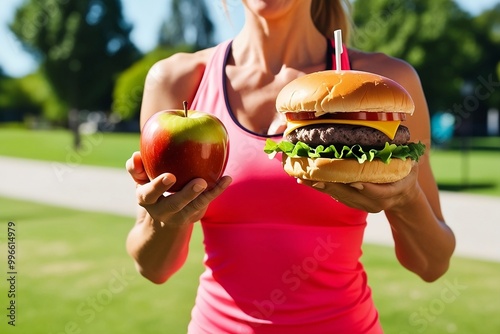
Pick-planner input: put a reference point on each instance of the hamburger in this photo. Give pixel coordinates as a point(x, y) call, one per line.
point(345, 126)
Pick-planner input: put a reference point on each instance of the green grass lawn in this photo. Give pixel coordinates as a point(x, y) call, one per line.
point(475, 171)
point(101, 149)
point(74, 276)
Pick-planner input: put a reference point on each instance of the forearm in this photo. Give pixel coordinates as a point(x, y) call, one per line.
point(159, 249)
point(424, 243)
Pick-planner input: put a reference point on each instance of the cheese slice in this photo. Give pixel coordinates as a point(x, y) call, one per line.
point(387, 127)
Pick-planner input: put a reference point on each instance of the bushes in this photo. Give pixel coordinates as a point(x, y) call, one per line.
point(30, 95)
point(129, 87)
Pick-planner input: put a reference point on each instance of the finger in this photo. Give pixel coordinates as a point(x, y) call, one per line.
point(136, 169)
point(339, 192)
point(151, 192)
point(208, 196)
point(318, 185)
point(129, 164)
point(197, 208)
point(178, 201)
point(277, 126)
point(193, 198)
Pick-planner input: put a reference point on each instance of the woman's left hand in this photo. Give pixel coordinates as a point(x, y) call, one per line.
point(371, 197)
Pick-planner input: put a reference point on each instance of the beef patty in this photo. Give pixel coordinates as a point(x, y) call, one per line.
point(346, 134)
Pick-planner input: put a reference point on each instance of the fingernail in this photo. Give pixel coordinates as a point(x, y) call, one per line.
point(319, 185)
point(227, 182)
point(167, 181)
point(358, 186)
point(198, 188)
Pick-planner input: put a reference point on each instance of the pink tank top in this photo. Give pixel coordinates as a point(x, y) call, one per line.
point(279, 257)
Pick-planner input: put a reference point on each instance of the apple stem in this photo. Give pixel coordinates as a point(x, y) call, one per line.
point(185, 104)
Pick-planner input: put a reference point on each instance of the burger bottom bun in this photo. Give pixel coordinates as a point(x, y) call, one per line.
point(346, 170)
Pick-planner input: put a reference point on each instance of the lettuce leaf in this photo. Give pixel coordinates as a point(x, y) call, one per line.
point(412, 150)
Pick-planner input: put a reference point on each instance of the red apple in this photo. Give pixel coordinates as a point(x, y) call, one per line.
point(187, 143)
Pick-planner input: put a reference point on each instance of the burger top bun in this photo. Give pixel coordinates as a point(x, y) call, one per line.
point(344, 91)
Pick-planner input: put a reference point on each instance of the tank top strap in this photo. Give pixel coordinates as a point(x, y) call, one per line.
point(213, 70)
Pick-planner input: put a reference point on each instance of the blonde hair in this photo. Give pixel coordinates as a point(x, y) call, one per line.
point(330, 15)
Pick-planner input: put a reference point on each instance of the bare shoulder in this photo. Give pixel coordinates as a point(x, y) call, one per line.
point(179, 67)
point(173, 80)
point(382, 64)
point(403, 73)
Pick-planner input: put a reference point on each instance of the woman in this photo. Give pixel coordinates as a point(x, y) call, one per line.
point(281, 255)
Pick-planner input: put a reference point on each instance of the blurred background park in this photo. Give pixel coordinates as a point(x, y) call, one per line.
point(71, 80)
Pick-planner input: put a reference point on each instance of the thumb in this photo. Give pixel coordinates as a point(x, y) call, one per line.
point(278, 125)
point(136, 169)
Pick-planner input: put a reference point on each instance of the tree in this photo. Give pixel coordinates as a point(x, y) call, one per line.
point(188, 28)
point(488, 26)
point(82, 46)
point(129, 88)
point(433, 35)
point(188, 24)
point(29, 96)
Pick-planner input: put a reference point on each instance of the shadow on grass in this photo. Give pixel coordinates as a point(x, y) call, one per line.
point(466, 186)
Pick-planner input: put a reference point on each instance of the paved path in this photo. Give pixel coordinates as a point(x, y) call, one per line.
point(474, 219)
point(76, 186)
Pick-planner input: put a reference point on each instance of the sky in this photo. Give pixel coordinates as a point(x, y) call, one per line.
point(146, 17)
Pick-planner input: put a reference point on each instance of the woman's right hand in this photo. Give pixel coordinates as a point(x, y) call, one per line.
point(185, 206)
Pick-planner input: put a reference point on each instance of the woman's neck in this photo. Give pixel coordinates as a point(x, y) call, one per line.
point(269, 44)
